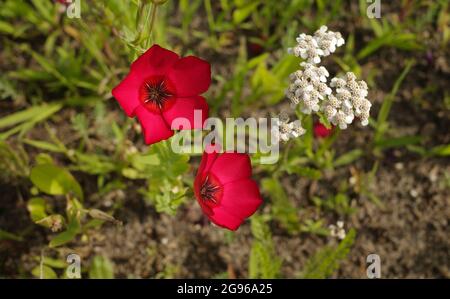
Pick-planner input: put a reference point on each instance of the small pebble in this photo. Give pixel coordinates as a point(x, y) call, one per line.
point(399, 166)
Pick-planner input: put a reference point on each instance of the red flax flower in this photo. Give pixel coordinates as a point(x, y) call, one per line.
point(225, 190)
point(161, 87)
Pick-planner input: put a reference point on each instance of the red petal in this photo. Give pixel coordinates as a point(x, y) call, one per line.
point(241, 198)
point(155, 61)
point(223, 218)
point(191, 76)
point(127, 94)
point(208, 159)
point(153, 125)
point(230, 167)
point(184, 108)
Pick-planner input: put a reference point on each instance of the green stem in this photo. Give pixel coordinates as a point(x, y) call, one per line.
point(152, 23)
point(139, 15)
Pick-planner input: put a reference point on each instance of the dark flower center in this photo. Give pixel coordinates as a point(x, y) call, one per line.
point(154, 94)
point(208, 191)
point(157, 93)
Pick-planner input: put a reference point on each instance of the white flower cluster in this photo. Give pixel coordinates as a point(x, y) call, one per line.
point(349, 101)
point(309, 87)
point(337, 230)
point(284, 130)
point(323, 43)
point(339, 102)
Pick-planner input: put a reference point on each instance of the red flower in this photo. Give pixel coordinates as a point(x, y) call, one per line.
point(161, 87)
point(320, 131)
point(225, 190)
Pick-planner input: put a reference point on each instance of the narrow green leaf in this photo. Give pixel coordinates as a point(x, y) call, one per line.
point(398, 142)
point(327, 260)
point(4, 235)
point(101, 268)
point(348, 157)
point(264, 261)
point(43, 145)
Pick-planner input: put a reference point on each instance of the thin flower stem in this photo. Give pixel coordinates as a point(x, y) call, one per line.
point(284, 155)
point(154, 8)
point(139, 15)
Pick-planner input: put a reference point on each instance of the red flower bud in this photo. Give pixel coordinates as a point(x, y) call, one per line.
point(320, 131)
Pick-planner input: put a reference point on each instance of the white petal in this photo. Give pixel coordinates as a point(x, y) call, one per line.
point(349, 118)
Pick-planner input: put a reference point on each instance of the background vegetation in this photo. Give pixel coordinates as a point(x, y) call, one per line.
point(75, 175)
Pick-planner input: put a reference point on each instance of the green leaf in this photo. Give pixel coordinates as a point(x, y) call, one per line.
point(264, 261)
point(27, 119)
point(37, 208)
point(54, 180)
point(4, 235)
point(404, 41)
point(43, 158)
point(73, 226)
point(95, 163)
point(49, 67)
point(327, 260)
point(441, 150)
point(167, 197)
point(172, 164)
point(398, 142)
point(282, 209)
point(43, 145)
point(311, 173)
point(44, 272)
point(24, 115)
point(348, 157)
point(6, 28)
point(241, 13)
point(382, 123)
point(54, 263)
point(63, 238)
point(101, 268)
point(141, 162)
point(324, 120)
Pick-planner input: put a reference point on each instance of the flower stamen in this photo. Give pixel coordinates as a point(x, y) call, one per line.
point(208, 191)
point(156, 93)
